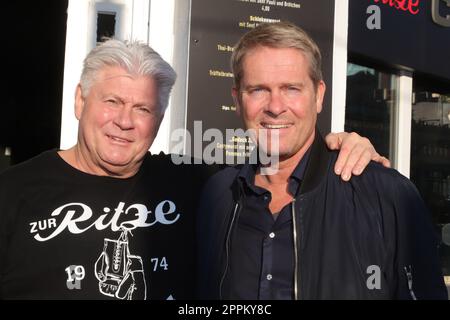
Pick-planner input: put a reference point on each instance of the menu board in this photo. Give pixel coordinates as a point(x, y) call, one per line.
point(216, 25)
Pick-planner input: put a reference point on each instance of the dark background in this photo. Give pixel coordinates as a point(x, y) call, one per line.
point(33, 46)
point(405, 41)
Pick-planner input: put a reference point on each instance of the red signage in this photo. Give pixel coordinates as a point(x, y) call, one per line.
point(411, 6)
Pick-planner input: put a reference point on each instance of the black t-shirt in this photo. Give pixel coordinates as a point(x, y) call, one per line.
point(65, 234)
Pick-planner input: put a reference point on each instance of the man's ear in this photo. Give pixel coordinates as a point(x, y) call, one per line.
point(236, 99)
point(320, 93)
point(79, 102)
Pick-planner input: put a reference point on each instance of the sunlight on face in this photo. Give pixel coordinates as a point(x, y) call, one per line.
point(119, 119)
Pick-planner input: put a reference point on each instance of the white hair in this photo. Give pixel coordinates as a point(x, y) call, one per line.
point(135, 57)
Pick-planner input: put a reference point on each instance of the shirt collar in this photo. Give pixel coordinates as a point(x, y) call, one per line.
point(299, 172)
point(246, 176)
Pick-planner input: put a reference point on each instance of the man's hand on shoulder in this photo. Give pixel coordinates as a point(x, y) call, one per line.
point(355, 153)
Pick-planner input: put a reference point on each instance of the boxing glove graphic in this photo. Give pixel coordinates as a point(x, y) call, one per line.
point(120, 274)
point(133, 285)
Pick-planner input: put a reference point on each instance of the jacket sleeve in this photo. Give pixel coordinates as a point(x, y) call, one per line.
point(417, 264)
point(216, 204)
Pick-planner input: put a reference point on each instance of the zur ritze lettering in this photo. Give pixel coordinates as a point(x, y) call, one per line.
point(77, 218)
point(412, 6)
point(438, 11)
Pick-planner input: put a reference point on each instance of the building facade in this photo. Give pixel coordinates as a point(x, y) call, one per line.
point(386, 64)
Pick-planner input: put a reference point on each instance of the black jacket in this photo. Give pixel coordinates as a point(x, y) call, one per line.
point(369, 238)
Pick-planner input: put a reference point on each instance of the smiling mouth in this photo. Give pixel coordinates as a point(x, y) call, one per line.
point(117, 139)
point(276, 126)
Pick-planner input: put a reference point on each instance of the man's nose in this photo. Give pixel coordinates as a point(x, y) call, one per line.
point(276, 103)
point(124, 118)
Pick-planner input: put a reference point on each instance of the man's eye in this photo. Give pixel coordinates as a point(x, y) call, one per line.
point(291, 91)
point(258, 92)
point(144, 109)
point(111, 101)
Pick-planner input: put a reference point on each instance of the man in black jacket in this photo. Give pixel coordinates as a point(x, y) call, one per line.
point(303, 233)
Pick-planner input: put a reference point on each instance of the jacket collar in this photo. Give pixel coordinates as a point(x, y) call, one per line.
point(317, 165)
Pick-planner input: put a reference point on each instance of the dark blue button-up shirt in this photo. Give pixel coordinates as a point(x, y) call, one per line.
point(262, 249)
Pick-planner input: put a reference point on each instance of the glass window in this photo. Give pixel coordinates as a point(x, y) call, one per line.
point(370, 103)
point(106, 23)
point(430, 156)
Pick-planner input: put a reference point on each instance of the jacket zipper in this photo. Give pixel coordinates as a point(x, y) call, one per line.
point(295, 236)
point(408, 272)
point(227, 249)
